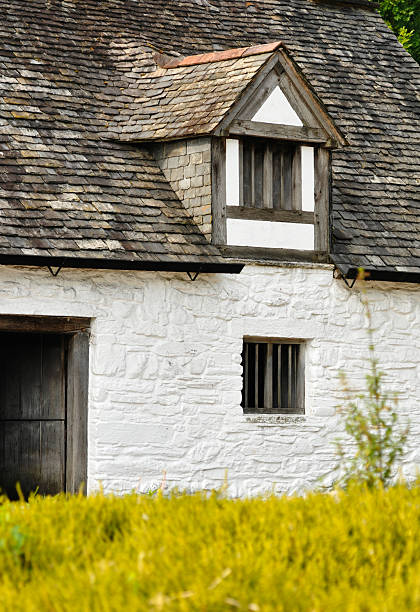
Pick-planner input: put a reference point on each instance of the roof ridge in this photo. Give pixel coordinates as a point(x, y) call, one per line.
point(217, 56)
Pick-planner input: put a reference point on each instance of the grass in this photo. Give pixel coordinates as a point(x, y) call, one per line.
point(346, 551)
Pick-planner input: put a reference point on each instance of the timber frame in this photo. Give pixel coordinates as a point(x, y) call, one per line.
point(77, 381)
point(321, 217)
point(318, 131)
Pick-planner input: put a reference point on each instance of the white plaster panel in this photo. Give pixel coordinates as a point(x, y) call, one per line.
point(232, 172)
point(308, 178)
point(277, 109)
point(269, 234)
point(165, 374)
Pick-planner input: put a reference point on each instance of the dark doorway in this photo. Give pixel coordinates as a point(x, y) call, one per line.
point(43, 407)
point(32, 413)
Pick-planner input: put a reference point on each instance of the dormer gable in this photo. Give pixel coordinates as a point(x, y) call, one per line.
point(241, 138)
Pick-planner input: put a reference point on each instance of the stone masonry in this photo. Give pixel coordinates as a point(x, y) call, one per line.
point(165, 369)
point(187, 166)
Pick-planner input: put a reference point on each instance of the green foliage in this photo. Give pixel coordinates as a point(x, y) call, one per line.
point(371, 422)
point(347, 551)
point(403, 17)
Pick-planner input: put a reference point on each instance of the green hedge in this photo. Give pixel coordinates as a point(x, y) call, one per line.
point(326, 552)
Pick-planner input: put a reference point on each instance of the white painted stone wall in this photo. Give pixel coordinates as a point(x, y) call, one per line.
point(165, 379)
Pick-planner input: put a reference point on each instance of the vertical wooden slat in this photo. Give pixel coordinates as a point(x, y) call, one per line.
point(289, 377)
point(256, 376)
point(287, 178)
point(278, 376)
point(322, 199)
point(241, 173)
point(218, 190)
point(247, 164)
point(277, 177)
point(259, 175)
point(245, 393)
point(268, 177)
point(294, 348)
point(52, 457)
point(77, 410)
point(300, 392)
point(297, 179)
point(268, 379)
point(53, 400)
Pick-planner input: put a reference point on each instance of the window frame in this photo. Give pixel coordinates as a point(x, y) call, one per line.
point(299, 408)
point(320, 218)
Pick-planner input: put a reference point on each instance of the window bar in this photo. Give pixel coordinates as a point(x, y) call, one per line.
point(245, 360)
point(295, 348)
point(289, 378)
point(278, 348)
point(268, 177)
point(268, 379)
point(256, 374)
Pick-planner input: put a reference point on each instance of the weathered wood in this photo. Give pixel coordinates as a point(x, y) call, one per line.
point(33, 324)
point(268, 178)
point(265, 214)
point(245, 362)
point(262, 253)
point(297, 179)
point(300, 383)
point(272, 339)
point(259, 96)
point(77, 410)
point(287, 178)
point(256, 375)
point(322, 199)
point(252, 97)
point(303, 96)
point(258, 180)
point(32, 412)
point(273, 131)
point(32, 384)
point(268, 379)
point(218, 189)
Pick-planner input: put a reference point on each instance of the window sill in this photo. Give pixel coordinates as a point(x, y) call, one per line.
point(274, 419)
point(270, 256)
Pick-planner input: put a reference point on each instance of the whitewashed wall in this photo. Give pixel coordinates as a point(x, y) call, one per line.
point(165, 380)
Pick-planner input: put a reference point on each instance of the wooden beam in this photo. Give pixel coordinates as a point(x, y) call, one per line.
point(41, 325)
point(322, 199)
point(306, 96)
point(269, 214)
point(260, 88)
point(267, 254)
point(218, 191)
point(284, 132)
point(77, 410)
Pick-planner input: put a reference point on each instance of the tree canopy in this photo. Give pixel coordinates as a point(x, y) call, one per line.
point(403, 17)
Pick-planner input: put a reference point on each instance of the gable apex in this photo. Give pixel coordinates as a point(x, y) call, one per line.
point(279, 95)
point(277, 109)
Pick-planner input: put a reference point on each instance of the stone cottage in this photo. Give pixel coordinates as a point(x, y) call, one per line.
point(188, 188)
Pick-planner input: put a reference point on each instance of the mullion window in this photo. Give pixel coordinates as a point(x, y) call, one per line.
point(267, 173)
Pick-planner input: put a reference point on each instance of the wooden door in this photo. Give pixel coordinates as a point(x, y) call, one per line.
point(32, 413)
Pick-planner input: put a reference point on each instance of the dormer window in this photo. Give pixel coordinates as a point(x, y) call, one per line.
point(244, 144)
point(272, 187)
point(264, 179)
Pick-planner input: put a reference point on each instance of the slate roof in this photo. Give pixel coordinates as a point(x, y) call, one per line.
point(189, 96)
point(65, 65)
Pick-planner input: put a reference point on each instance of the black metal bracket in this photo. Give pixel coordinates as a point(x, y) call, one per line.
point(57, 270)
point(339, 274)
point(193, 276)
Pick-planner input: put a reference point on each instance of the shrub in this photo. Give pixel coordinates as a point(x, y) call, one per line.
point(371, 423)
point(355, 550)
